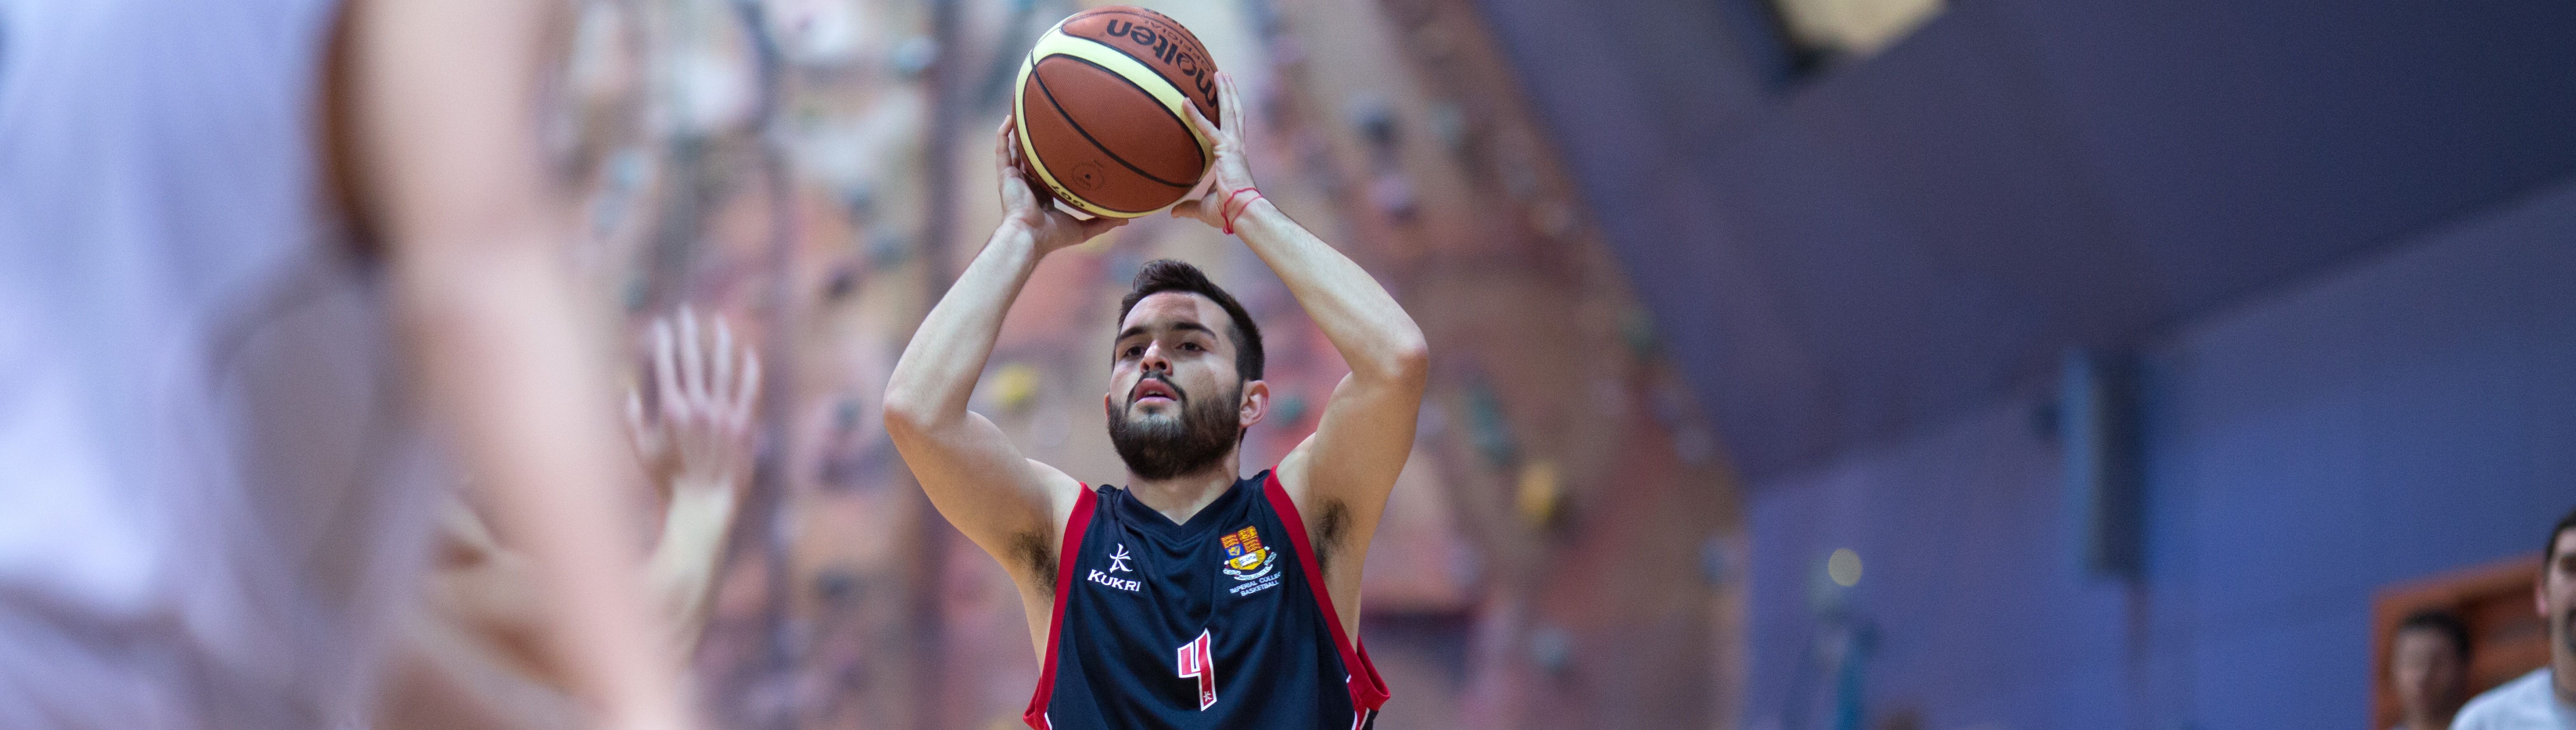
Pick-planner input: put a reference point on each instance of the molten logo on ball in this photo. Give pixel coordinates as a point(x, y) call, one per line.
point(1102, 104)
point(1171, 53)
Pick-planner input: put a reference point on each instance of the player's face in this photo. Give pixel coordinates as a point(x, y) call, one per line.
point(2557, 598)
point(2426, 669)
point(1172, 348)
point(1176, 405)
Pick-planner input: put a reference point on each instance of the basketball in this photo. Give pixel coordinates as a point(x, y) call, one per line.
point(1099, 104)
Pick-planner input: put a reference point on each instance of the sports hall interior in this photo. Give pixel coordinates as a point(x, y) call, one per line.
point(1797, 364)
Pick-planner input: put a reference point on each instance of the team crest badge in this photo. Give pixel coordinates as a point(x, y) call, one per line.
point(1248, 562)
point(1243, 550)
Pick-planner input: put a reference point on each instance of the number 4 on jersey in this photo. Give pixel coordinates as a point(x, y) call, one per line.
point(1198, 659)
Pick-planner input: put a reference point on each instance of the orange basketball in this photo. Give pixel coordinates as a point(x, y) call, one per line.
point(1099, 105)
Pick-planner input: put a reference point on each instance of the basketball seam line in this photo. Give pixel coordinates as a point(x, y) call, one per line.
point(1095, 141)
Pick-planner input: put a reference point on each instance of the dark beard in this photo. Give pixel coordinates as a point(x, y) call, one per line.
point(1164, 447)
point(2567, 629)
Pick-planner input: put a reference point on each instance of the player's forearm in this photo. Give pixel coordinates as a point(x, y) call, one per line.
point(506, 361)
point(685, 560)
point(1375, 336)
point(938, 370)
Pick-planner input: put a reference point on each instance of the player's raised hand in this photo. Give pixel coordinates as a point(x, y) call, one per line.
point(1031, 208)
point(1227, 188)
point(697, 436)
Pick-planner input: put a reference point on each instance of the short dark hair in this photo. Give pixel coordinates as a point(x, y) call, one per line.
point(2549, 550)
point(1162, 275)
point(2443, 621)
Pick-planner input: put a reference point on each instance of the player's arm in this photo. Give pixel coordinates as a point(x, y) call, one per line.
point(696, 439)
point(1004, 502)
point(1341, 475)
point(435, 123)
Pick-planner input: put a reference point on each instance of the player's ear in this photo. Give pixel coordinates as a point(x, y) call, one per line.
point(1109, 405)
point(1256, 403)
point(2540, 592)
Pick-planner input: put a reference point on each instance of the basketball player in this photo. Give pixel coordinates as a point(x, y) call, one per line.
point(253, 255)
point(1190, 598)
point(2545, 699)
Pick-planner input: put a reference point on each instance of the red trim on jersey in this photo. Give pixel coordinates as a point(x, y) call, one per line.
point(1368, 690)
point(1073, 528)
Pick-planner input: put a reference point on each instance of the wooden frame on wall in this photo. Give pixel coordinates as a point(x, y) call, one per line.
point(2507, 636)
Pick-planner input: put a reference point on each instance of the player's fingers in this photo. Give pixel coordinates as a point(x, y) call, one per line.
point(748, 393)
point(1216, 139)
point(1230, 103)
point(693, 364)
point(1214, 134)
point(720, 372)
point(1186, 208)
point(666, 376)
point(1006, 155)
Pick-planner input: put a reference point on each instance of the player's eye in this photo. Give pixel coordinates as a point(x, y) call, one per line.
point(1132, 351)
point(1191, 346)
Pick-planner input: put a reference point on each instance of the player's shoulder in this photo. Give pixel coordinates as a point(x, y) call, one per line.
point(1061, 490)
point(2525, 702)
point(1292, 476)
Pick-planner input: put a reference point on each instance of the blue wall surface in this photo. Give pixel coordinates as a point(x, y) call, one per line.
point(2401, 414)
point(1891, 242)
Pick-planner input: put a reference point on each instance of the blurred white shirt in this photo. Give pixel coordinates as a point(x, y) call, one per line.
point(210, 489)
point(2526, 703)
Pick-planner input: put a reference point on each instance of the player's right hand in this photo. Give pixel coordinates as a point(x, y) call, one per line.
point(1030, 209)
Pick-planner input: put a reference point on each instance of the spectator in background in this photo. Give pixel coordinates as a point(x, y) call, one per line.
point(2428, 666)
point(2545, 699)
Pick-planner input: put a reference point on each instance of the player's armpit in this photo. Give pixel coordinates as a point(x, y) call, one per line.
point(1341, 475)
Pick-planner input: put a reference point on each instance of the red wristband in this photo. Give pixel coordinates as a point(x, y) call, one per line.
point(1221, 208)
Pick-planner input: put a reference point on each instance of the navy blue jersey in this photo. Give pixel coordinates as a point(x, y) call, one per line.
point(1219, 623)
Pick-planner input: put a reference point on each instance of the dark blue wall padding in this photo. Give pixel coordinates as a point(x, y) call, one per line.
point(2409, 412)
point(1892, 242)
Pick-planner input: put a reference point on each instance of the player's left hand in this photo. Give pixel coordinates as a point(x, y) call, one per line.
point(1230, 176)
point(697, 437)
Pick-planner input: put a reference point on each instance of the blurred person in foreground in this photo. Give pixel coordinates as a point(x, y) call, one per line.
point(472, 653)
point(1191, 598)
point(2545, 699)
point(257, 259)
point(2428, 668)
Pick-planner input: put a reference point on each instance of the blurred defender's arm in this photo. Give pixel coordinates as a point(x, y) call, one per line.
point(1004, 502)
point(474, 655)
point(1342, 474)
point(434, 107)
